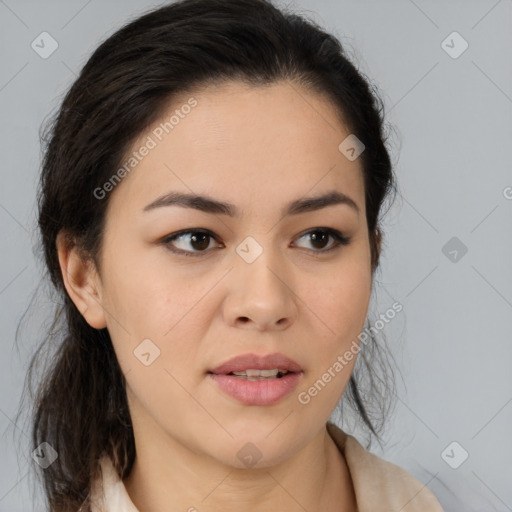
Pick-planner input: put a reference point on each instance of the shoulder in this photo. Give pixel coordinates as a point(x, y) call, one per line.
point(380, 484)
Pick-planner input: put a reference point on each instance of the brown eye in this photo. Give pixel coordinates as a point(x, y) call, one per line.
point(196, 242)
point(191, 242)
point(319, 238)
point(201, 241)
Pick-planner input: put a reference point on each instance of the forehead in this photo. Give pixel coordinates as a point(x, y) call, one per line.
point(245, 145)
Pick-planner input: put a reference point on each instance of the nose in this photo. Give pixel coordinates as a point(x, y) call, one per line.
point(261, 295)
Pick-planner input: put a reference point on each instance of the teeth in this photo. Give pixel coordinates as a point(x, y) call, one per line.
point(260, 373)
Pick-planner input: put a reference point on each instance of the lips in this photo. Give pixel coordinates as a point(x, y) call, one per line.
point(254, 362)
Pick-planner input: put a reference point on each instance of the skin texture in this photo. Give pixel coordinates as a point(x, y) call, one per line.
point(258, 148)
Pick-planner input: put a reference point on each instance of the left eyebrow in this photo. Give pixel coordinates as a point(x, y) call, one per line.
point(209, 205)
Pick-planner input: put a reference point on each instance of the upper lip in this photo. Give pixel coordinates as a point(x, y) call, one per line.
point(254, 361)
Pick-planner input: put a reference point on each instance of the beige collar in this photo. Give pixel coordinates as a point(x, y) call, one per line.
point(381, 485)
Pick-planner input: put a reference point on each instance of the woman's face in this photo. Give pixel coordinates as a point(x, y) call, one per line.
point(262, 281)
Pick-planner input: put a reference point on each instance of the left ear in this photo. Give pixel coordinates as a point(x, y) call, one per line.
point(81, 281)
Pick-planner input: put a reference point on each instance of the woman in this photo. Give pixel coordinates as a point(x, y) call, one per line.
point(209, 211)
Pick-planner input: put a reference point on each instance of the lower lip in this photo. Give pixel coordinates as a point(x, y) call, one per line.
point(257, 392)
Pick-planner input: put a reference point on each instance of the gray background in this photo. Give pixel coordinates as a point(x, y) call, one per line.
point(451, 148)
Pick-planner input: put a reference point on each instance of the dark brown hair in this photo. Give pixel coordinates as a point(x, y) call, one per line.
point(80, 406)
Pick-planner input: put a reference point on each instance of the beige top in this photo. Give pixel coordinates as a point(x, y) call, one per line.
point(380, 486)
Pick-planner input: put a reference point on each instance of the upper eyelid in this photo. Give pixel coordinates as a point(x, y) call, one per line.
point(189, 231)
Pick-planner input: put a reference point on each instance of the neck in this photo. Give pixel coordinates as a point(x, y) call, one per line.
point(175, 478)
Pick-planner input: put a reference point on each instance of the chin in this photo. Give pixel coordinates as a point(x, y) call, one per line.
point(246, 452)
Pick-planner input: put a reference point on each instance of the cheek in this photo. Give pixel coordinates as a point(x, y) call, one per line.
point(148, 299)
point(342, 303)
point(143, 291)
point(340, 310)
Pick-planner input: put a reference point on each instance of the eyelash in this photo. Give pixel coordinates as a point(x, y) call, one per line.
point(338, 237)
